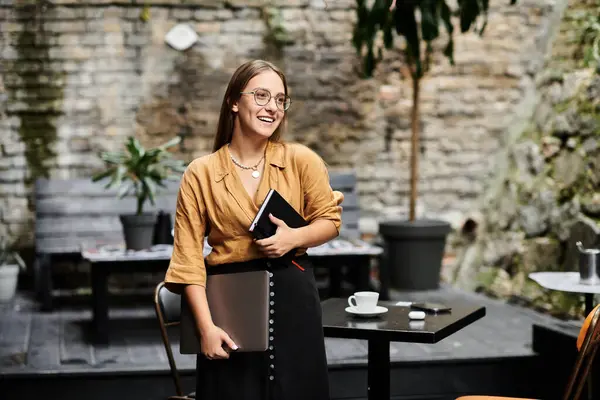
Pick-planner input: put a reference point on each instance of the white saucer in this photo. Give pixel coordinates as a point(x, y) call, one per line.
point(378, 311)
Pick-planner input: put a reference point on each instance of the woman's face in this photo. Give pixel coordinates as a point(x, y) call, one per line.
point(261, 112)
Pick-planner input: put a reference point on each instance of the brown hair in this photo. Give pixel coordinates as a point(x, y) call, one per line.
point(238, 82)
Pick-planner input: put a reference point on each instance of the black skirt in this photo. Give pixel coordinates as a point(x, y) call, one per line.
point(295, 365)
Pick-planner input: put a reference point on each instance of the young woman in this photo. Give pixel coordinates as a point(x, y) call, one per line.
point(219, 196)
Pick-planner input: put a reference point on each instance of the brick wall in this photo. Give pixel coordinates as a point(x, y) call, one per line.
point(79, 76)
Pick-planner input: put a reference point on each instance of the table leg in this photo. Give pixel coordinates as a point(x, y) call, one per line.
point(589, 306)
point(589, 303)
point(43, 277)
point(335, 281)
point(362, 268)
point(99, 304)
point(384, 279)
point(378, 372)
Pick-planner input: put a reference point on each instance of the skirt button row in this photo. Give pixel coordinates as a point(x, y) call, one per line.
point(271, 330)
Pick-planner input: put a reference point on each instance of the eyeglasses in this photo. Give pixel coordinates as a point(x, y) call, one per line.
point(262, 97)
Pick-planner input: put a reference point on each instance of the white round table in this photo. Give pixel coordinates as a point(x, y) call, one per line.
point(567, 282)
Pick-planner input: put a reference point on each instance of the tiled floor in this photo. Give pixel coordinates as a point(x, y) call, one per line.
point(33, 342)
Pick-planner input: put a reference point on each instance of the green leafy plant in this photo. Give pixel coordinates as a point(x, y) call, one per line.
point(139, 170)
point(385, 16)
point(145, 13)
point(8, 255)
point(276, 31)
point(590, 37)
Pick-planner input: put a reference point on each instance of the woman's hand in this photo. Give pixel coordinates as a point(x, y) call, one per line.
point(281, 242)
point(212, 343)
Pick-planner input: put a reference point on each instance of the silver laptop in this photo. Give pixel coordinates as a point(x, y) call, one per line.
point(239, 304)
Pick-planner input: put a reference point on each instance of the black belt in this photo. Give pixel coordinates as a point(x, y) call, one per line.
point(258, 264)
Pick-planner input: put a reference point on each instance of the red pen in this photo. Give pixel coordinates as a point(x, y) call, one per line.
point(298, 265)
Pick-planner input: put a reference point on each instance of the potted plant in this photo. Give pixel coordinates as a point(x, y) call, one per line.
point(414, 247)
point(140, 171)
point(10, 265)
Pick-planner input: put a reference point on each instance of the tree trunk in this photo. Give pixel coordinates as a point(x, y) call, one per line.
point(414, 151)
point(140, 204)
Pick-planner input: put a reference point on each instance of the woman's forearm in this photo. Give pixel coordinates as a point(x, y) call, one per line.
point(196, 296)
point(313, 235)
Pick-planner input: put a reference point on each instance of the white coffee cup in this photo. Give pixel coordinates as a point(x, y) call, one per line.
point(364, 301)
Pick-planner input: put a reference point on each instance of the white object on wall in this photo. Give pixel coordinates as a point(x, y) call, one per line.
point(181, 37)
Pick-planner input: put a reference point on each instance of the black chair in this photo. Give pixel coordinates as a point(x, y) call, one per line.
point(168, 310)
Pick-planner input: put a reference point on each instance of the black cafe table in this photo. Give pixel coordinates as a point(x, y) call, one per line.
point(393, 326)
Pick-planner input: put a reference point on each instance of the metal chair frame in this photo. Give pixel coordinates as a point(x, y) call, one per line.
point(587, 344)
point(585, 356)
point(164, 323)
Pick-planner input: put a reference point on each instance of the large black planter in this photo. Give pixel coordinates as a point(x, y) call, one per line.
point(138, 230)
point(414, 252)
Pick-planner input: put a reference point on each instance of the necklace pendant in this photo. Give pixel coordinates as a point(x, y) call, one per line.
point(255, 174)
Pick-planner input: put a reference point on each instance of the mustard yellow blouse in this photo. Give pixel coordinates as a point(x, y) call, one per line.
point(213, 202)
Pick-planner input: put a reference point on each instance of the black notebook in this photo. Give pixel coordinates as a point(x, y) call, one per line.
point(275, 204)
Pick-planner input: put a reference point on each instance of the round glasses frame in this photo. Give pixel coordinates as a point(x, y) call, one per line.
point(287, 101)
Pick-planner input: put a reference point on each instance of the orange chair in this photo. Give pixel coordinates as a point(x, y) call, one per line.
point(168, 311)
point(587, 344)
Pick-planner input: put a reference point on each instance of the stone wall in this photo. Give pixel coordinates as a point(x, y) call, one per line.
point(79, 76)
point(546, 194)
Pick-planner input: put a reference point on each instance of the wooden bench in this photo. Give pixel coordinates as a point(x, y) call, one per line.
point(70, 213)
point(346, 183)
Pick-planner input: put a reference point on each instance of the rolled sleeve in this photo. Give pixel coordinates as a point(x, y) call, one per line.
point(320, 200)
point(187, 262)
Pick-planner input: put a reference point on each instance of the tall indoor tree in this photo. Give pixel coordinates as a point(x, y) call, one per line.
point(420, 23)
point(415, 248)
